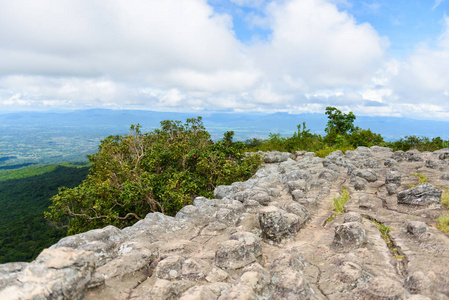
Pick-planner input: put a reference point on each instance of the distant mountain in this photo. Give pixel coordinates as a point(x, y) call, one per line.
point(245, 125)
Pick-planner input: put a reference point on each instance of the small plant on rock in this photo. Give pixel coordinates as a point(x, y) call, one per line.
point(339, 203)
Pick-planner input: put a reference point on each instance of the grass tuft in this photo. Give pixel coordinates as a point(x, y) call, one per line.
point(443, 221)
point(422, 178)
point(339, 203)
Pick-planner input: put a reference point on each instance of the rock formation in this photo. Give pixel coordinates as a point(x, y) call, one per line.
point(271, 237)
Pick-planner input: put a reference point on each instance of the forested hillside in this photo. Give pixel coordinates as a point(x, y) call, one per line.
point(24, 231)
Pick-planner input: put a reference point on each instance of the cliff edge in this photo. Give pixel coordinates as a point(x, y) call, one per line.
point(274, 236)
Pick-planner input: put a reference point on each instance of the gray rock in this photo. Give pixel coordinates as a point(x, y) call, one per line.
point(297, 185)
point(252, 242)
point(237, 292)
point(413, 155)
point(233, 255)
point(417, 283)
point(391, 188)
point(381, 288)
point(276, 224)
point(9, 273)
point(423, 194)
point(352, 217)
point(222, 191)
point(299, 210)
point(349, 236)
point(368, 175)
point(444, 155)
point(170, 268)
point(398, 156)
point(445, 176)
point(359, 184)
point(416, 227)
point(100, 241)
point(276, 156)
point(61, 273)
point(133, 260)
point(393, 176)
point(290, 285)
point(195, 269)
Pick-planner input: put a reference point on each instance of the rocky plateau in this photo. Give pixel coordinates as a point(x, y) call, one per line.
point(273, 236)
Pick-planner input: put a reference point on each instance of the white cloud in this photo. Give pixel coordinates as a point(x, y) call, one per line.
point(182, 55)
point(314, 42)
point(423, 78)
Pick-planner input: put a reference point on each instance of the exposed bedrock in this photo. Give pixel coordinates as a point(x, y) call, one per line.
point(274, 236)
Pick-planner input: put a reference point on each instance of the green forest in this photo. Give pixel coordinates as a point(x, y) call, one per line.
point(158, 171)
point(24, 232)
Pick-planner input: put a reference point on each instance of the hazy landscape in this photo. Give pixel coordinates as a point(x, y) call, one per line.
point(29, 138)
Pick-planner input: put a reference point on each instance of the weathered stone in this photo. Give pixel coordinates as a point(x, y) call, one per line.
point(359, 185)
point(393, 176)
point(251, 241)
point(417, 283)
point(444, 155)
point(167, 290)
point(195, 269)
point(445, 176)
point(133, 259)
point(237, 292)
point(216, 275)
point(416, 227)
point(391, 188)
point(257, 278)
point(9, 273)
point(276, 224)
point(381, 289)
point(349, 272)
point(422, 194)
point(233, 254)
point(61, 273)
point(349, 236)
point(368, 175)
point(170, 268)
point(352, 217)
point(213, 248)
point(276, 156)
point(100, 241)
point(297, 185)
point(413, 155)
point(290, 285)
point(299, 210)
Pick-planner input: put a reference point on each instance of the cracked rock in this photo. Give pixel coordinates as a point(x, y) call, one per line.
point(349, 236)
point(422, 194)
point(234, 254)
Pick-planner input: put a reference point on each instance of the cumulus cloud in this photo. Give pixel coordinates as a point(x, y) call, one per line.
point(316, 44)
point(423, 77)
point(182, 55)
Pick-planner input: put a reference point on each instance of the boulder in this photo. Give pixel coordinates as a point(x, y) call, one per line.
point(61, 273)
point(349, 236)
point(234, 254)
point(422, 194)
point(276, 224)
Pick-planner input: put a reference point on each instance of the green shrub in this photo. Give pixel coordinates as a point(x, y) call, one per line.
point(162, 170)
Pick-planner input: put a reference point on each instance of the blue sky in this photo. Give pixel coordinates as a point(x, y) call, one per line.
point(375, 58)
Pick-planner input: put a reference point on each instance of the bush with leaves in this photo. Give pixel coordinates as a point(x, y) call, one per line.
point(162, 170)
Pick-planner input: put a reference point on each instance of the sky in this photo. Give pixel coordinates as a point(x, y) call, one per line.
point(372, 57)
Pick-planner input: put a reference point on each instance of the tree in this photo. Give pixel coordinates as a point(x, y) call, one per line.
point(138, 173)
point(339, 123)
